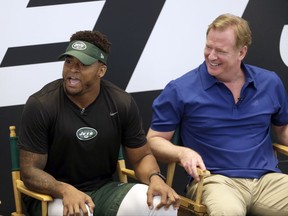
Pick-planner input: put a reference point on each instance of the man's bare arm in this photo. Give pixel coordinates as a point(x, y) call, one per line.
point(33, 176)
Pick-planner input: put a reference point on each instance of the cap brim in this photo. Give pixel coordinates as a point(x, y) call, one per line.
point(82, 57)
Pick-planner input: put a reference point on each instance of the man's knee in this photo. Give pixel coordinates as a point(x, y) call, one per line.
point(55, 208)
point(135, 203)
point(225, 210)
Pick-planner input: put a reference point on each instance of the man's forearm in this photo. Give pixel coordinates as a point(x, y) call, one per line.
point(146, 167)
point(42, 182)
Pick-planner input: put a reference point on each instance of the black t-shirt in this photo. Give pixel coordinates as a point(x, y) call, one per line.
point(82, 145)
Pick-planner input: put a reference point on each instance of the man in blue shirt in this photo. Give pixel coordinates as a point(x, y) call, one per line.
point(225, 110)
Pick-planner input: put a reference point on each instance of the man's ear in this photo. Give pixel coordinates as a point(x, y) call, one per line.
point(243, 52)
point(102, 71)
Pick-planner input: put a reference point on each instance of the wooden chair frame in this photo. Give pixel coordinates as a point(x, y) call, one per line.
point(195, 207)
point(18, 185)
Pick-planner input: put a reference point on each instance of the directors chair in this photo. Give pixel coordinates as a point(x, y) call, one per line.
point(18, 185)
point(190, 207)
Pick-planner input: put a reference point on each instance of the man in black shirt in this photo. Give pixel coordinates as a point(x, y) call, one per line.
point(70, 137)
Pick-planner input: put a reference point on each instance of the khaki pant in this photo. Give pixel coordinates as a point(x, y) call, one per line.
point(267, 196)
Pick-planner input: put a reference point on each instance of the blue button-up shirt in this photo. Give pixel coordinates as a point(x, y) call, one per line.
point(232, 138)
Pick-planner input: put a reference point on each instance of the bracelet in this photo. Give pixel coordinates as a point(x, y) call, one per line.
point(158, 174)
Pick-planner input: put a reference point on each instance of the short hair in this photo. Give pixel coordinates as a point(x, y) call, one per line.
point(240, 26)
point(94, 37)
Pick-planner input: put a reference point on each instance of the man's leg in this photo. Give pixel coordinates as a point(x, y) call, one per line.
point(271, 195)
point(121, 200)
point(55, 208)
point(135, 203)
point(222, 196)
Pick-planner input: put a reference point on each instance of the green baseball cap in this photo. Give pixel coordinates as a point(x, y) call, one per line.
point(85, 52)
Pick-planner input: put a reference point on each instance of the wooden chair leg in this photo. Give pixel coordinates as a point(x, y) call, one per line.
point(17, 195)
point(44, 206)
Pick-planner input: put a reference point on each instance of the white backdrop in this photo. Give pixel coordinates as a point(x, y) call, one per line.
point(163, 58)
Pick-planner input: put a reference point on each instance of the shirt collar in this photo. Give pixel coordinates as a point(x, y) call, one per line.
point(208, 80)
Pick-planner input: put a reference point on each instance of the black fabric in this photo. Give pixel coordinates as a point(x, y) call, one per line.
point(50, 123)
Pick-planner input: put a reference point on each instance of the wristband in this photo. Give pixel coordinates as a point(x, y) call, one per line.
point(158, 174)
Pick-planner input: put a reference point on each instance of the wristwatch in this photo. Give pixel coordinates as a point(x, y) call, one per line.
point(158, 174)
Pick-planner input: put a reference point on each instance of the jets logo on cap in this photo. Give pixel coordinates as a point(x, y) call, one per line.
point(79, 45)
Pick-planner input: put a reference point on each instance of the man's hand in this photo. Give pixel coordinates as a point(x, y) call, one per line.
point(74, 202)
point(158, 187)
point(190, 160)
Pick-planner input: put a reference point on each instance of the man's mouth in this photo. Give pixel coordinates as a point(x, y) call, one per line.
point(214, 64)
point(73, 81)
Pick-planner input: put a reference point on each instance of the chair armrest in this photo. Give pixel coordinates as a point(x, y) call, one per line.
point(203, 173)
point(280, 148)
point(190, 205)
point(195, 206)
point(129, 172)
point(23, 189)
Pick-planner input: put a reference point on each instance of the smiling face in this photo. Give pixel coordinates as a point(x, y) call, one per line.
point(222, 57)
point(82, 80)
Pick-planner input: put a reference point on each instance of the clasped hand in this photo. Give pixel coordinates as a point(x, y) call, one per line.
point(191, 160)
point(169, 197)
point(75, 201)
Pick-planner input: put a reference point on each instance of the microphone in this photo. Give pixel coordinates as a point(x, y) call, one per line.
point(240, 99)
point(83, 112)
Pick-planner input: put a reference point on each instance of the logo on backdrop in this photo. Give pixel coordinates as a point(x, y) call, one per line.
point(269, 36)
point(26, 54)
point(284, 45)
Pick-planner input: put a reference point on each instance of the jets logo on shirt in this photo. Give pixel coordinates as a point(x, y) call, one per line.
point(86, 133)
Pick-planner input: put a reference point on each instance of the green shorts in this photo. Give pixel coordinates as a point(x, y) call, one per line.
point(107, 199)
